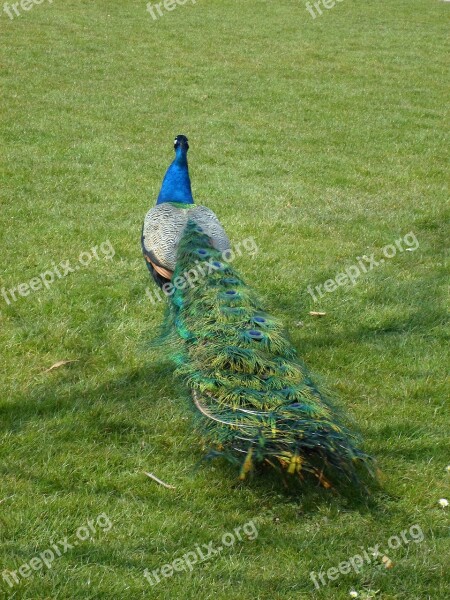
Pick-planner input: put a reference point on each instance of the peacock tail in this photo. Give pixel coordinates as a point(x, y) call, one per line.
point(253, 398)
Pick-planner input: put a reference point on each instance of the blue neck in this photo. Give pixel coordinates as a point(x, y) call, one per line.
point(176, 185)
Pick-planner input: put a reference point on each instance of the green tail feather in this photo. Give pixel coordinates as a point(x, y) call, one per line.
point(254, 399)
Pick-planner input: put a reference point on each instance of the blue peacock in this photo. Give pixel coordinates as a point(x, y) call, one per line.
point(253, 399)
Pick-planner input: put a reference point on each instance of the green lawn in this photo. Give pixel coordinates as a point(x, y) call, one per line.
point(324, 139)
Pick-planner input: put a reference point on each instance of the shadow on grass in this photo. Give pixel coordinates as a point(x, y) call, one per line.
point(58, 394)
point(109, 412)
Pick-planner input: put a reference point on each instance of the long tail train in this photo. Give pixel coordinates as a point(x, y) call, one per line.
point(254, 399)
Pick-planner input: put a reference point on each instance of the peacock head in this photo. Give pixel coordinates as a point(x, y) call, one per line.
point(181, 143)
point(176, 185)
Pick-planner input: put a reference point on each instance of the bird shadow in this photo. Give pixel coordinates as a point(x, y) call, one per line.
point(51, 397)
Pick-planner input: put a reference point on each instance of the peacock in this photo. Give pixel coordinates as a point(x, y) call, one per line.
point(254, 401)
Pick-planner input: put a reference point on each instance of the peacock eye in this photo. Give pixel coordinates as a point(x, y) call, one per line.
point(254, 335)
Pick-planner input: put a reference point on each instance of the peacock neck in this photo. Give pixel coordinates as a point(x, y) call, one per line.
point(176, 185)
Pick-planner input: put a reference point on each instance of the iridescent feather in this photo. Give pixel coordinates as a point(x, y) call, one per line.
point(254, 399)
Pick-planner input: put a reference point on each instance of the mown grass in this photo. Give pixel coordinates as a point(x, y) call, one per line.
point(325, 140)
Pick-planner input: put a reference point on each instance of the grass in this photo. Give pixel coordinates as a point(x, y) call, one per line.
point(322, 138)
